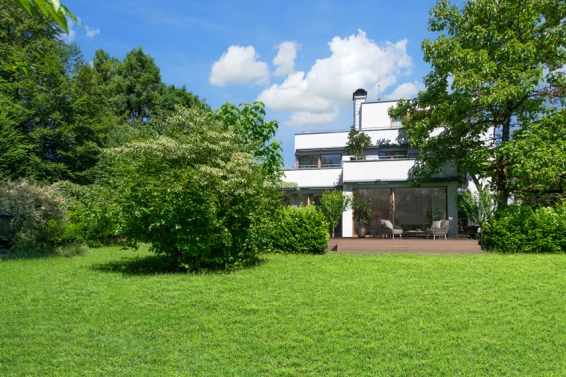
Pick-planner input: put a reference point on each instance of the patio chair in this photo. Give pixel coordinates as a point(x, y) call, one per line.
point(438, 228)
point(388, 229)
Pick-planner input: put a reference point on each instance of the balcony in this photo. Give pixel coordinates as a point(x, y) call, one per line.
point(378, 169)
point(324, 178)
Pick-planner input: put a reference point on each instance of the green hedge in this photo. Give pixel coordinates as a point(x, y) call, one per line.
point(521, 229)
point(302, 230)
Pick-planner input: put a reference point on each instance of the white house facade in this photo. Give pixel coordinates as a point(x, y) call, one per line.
point(383, 177)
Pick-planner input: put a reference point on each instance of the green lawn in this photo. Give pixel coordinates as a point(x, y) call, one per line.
point(108, 313)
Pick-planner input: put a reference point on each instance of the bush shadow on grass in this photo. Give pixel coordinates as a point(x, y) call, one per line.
point(157, 265)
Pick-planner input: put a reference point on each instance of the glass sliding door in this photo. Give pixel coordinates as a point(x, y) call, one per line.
point(381, 201)
point(417, 208)
point(409, 208)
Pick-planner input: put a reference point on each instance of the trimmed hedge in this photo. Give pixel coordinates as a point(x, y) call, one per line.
point(302, 230)
point(521, 229)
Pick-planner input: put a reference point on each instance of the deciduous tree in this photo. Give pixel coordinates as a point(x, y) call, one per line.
point(497, 70)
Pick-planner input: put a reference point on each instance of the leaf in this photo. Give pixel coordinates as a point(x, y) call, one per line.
point(25, 5)
point(43, 6)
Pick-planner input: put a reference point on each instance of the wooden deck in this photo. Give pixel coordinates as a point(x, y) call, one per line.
point(404, 245)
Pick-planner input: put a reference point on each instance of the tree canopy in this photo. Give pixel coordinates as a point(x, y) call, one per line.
point(57, 111)
point(497, 77)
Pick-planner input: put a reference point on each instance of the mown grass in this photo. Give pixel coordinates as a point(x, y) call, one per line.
point(113, 313)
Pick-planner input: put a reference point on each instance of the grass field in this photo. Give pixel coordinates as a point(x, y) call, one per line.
point(110, 313)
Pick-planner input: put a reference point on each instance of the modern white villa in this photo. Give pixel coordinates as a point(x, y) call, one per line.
point(383, 177)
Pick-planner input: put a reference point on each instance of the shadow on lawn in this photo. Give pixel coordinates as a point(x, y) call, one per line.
point(155, 265)
point(148, 265)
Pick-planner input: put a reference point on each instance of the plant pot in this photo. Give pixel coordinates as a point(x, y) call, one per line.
point(362, 232)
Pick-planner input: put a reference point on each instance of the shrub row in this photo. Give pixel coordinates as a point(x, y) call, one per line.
point(521, 229)
point(302, 230)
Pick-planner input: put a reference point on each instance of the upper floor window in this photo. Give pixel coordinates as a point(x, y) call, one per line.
point(330, 160)
point(310, 161)
point(392, 155)
point(396, 122)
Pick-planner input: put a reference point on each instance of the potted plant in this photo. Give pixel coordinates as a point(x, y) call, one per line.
point(362, 213)
point(333, 204)
point(357, 144)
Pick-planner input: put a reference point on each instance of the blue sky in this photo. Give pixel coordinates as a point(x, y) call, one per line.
point(304, 59)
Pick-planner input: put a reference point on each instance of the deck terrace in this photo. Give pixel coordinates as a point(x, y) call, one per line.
point(404, 245)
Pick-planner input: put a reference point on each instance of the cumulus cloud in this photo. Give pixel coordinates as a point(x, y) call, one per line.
point(285, 59)
point(71, 35)
point(406, 90)
point(317, 96)
point(239, 65)
point(91, 33)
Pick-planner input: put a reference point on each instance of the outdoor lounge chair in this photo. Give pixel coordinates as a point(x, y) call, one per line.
point(388, 229)
point(438, 228)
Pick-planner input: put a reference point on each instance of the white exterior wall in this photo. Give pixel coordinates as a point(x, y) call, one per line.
point(347, 216)
point(374, 114)
point(319, 178)
point(357, 105)
point(369, 171)
point(321, 140)
point(338, 140)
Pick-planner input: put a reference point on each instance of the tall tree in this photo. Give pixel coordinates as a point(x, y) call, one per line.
point(497, 69)
point(53, 114)
point(138, 83)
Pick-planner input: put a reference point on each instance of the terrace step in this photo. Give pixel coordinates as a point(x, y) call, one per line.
point(397, 245)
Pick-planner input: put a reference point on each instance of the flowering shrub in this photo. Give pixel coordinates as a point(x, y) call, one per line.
point(39, 212)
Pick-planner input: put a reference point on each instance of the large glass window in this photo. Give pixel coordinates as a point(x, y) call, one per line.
point(392, 155)
point(330, 160)
point(381, 206)
point(409, 208)
point(417, 208)
point(308, 161)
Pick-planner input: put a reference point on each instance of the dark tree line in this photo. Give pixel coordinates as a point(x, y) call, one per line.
point(57, 111)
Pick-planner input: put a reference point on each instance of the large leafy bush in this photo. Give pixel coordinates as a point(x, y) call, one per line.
point(521, 229)
point(194, 192)
point(301, 230)
point(93, 216)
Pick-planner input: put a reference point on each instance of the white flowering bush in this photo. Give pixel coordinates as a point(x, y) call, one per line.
point(39, 211)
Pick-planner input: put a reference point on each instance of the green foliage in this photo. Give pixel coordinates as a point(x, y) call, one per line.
point(333, 204)
point(49, 8)
point(53, 132)
point(496, 69)
point(192, 193)
point(522, 229)
point(253, 133)
point(362, 210)
point(478, 206)
point(300, 230)
point(537, 158)
point(39, 214)
point(57, 112)
point(93, 215)
point(357, 144)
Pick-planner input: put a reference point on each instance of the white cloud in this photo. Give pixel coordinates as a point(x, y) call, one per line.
point(239, 65)
point(91, 33)
point(69, 37)
point(406, 90)
point(285, 59)
point(356, 62)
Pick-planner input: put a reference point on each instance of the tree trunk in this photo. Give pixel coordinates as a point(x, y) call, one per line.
point(502, 168)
